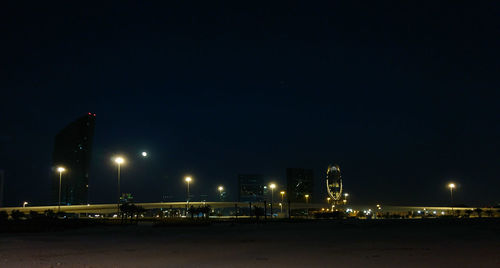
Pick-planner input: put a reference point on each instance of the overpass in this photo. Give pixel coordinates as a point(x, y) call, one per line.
point(112, 208)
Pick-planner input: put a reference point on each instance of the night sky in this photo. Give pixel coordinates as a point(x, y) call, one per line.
point(403, 96)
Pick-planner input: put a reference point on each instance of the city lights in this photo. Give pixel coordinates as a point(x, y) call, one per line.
point(144, 154)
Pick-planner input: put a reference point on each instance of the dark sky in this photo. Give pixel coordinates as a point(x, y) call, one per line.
point(403, 96)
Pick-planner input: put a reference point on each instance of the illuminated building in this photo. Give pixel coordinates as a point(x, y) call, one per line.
point(72, 149)
point(300, 181)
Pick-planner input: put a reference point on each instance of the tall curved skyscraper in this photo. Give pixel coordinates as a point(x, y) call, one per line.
point(73, 149)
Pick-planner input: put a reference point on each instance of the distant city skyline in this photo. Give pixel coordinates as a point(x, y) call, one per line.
point(403, 97)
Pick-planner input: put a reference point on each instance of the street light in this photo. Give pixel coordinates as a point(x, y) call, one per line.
point(220, 188)
point(281, 207)
point(282, 193)
point(307, 202)
point(451, 186)
point(272, 186)
point(345, 198)
point(119, 161)
point(144, 154)
point(328, 200)
point(188, 180)
point(60, 170)
point(25, 203)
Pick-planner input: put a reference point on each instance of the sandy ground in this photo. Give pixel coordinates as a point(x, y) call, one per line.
point(312, 244)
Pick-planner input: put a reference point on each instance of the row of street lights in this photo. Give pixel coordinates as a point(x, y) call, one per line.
point(119, 160)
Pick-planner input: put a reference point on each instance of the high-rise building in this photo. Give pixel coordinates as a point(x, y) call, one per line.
point(300, 181)
point(72, 150)
point(250, 188)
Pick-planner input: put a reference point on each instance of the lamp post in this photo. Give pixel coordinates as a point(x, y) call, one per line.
point(220, 188)
point(60, 170)
point(451, 186)
point(188, 180)
point(307, 202)
point(345, 198)
point(328, 200)
point(24, 204)
point(119, 161)
point(272, 186)
point(282, 193)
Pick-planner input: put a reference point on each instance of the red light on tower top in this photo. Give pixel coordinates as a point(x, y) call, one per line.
point(94, 114)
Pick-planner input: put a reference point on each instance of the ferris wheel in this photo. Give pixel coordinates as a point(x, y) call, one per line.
point(334, 182)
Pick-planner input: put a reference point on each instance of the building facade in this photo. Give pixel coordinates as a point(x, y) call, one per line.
point(300, 181)
point(73, 150)
point(250, 188)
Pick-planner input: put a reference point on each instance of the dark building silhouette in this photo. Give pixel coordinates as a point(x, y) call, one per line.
point(250, 188)
point(300, 181)
point(72, 150)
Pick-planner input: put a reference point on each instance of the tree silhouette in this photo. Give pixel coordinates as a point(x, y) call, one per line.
point(138, 210)
point(192, 211)
point(17, 215)
point(478, 211)
point(34, 215)
point(205, 210)
point(258, 212)
point(127, 210)
point(468, 212)
point(489, 212)
point(49, 213)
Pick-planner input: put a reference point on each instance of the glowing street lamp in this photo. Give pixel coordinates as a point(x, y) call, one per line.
point(282, 193)
point(25, 203)
point(281, 207)
point(60, 170)
point(144, 154)
point(451, 186)
point(272, 186)
point(188, 180)
point(119, 161)
point(307, 202)
point(220, 188)
point(328, 200)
